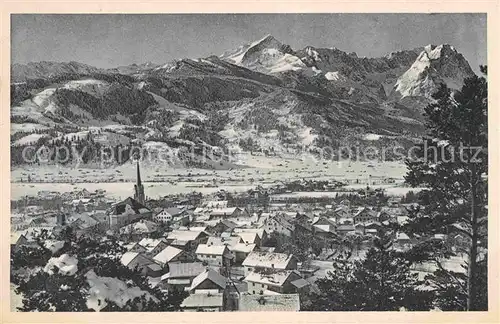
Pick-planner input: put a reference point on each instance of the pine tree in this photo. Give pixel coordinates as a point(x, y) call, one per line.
point(382, 281)
point(452, 163)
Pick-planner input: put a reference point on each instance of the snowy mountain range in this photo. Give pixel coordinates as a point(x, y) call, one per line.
point(261, 95)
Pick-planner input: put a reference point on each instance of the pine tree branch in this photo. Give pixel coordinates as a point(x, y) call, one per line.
point(461, 230)
point(459, 283)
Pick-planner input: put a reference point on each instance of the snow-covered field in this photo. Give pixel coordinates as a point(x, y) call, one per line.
point(161, 180)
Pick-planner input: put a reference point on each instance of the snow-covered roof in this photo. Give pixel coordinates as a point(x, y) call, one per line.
point(229, 241)
point(182, 270)
point(211, 249)
point(243, 247)
point(203, 300)
point(141, 227)
point(173, 211)
point(402, 236)
point(184, 235)
point(223, 211)
point(128, 257)
point(150, 244)
point(216, 204)
point(113, 289)
point(267, 260)
point(273, 279)
point(269, 303)
point(65, 264)
point(53, 245)
point(167, 254)
point(248, 237)
point(211, 275)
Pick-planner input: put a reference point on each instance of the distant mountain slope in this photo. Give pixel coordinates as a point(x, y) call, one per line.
point(44, 69)
point(262, 96)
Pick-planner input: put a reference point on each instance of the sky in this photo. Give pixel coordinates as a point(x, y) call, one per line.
point(113, 40)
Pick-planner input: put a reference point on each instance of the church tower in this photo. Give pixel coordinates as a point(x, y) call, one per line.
point(139, 188)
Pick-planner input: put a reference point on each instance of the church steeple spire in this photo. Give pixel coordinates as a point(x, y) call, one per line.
point(138, 187)
point(138, 174)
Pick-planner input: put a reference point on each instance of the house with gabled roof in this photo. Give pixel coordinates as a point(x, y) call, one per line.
point(139, 229)
point(215, 204)
point(209, 302)
point(135, 260)
point(186, 239)
point(269, 260)
point(279, 223)
point(345, 229)
point(224, 240)
point(173, 215)
point(229, 213)
point(170, 254)
point(214, 255)
point(261, 232)
point(181, 275)
point(224, 225)
point(209, 281)
point(325, 224)
point(364, 215)
point(241, 251)
point(275, 281)
point(149, 246)
point(250, 238)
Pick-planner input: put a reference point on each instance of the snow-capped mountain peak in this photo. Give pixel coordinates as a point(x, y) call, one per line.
point(267, 55)
point(434, 65)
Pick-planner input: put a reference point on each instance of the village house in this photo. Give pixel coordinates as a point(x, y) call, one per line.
point(139, 229)
point(146, 266)
point(127, 212)
point(19, 239)
point(83, 204)
point(214, 255)
point(325, 225)
point(364, 215)
point(209, 281)
point(393, 201)
point(209, 302)
point(149, 247)
point(250, 238)
point(345, 229)
point(241, 251)
point(187, 239)
point(224, 225)
point(181, 275)
point(269, 260)
point(215, 204)
point(170, 254)
point(279, 223)
point(261, 232)
point(234, 213)
point(87, 223)
point(359, 228)
point(229, 241)
point(278, 282)
point(269, 303)
point(173, 216)
point(384, 215)
point(403, 240)
point(342, 211)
